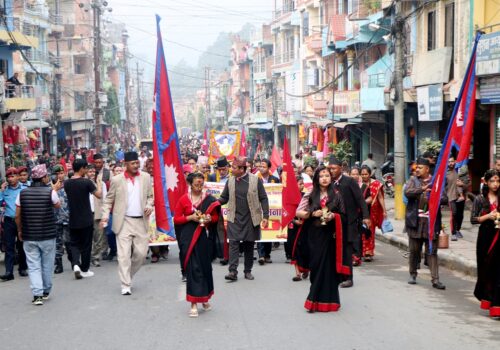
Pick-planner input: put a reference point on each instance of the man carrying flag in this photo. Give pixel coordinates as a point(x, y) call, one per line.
point(417, 191)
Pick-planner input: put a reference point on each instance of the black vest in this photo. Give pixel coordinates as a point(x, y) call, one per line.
point(37, 213)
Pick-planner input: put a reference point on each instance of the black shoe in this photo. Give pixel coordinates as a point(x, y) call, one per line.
point(110, 256)
point(96, 263)
point(249, 276)
point(459, 234)
point(454, 238)
point(268, 261)
point(184, 278)
point(45, 296)
point(231, 276)
point(412, 280)
point(439, 285)
point(58, 269)
point(38, 300)
point(6, 278)
point(23, 273)
point(347, 284)
point(223, 262)
point(262, 261)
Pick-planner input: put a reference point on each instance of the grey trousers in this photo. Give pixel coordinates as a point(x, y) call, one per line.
point(415, 248)
point(234, 255)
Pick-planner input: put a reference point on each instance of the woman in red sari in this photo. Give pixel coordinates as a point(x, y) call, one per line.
point(196, 216)
point(374, 196)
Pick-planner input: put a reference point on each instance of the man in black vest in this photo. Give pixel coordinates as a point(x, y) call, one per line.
point(36, 225)
point(355, 207)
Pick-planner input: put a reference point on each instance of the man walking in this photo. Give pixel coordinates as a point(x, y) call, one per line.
point(78, 190)
point(8, 195)
point(248, 209)
point(100, 242)
point(355, 206)
point(131, 197)
point(62, 220)
point(264, 249)
point(36, 225)
point(456, 192)
point(417, 191)
point(222, 172)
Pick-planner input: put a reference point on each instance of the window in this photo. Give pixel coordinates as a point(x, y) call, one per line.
point(449, 14)
point(431, 31)
point(79, 101)
point(305, 24)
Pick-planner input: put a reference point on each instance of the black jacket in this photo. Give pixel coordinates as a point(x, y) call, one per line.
point(354, 203)
point(37, 213)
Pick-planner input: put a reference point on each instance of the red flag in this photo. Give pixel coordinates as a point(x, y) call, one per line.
point(290, 197)
point(257, 151)
point(325, 144)
point(204, 145)
point(243, 144)
point(63, 163)
point(459, 135)
point(169, 180)
point(275, 159)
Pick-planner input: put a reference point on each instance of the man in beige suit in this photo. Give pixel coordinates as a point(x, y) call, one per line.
point(131, 197)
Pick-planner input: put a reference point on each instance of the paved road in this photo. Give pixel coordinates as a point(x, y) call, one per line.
point(381, 312)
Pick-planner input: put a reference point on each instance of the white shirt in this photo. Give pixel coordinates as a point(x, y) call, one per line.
point(142, 162)
point(134, 197)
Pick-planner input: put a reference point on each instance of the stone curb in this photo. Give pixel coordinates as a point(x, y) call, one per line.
point(447, 258)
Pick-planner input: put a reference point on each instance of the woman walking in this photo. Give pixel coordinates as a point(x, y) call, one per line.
point(485, 213)
point(297, 243)
point(196, 215)
point(374, 196)
point(322, 211)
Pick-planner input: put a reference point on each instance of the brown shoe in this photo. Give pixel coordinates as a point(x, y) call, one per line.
point(231, 276)
point(346, 284)
point(249, 276)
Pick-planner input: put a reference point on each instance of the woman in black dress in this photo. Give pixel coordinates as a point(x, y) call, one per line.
point(323, 211)
point(485, 212)
point(196, 216)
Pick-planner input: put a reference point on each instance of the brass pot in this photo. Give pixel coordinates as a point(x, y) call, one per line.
point(444, 240)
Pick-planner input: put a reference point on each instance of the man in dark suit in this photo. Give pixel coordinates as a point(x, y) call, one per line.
point(355, 207)
point(222, 172)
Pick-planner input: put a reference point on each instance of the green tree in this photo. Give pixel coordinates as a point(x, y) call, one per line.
point(112, 115)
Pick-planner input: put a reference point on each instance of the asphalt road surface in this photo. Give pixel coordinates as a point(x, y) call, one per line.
point(381, 312)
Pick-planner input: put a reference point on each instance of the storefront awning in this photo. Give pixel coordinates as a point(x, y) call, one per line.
point(262, 126)
point(31, 124)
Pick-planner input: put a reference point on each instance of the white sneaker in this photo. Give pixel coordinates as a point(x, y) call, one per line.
point(126, 291)
point(87, 274)
point(78, 272)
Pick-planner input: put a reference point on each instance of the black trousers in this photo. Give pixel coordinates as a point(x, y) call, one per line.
point(12, 243)
point(81, 247)
point(457, 215)
point(264, 249)
point(234, 255)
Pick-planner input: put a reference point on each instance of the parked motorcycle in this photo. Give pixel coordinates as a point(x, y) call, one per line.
point(388, 182)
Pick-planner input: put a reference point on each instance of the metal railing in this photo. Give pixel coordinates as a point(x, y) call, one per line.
point(18, 91)
point(37, 56)
point(56, 19)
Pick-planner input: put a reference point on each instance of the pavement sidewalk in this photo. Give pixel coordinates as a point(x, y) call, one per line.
point(460, 256)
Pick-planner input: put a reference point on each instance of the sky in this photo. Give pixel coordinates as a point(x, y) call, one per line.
point(191, 23)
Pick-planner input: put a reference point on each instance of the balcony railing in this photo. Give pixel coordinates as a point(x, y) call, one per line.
point(18, 91)
point(287, 8)
point(37, 56)
point(56, 19)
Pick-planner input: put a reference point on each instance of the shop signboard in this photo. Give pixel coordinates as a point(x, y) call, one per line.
point(430, 103)
point(488, 54)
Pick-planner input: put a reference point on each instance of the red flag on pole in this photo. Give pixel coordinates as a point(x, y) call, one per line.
point(204, 146)
point(243, 144)
point(275, 159)
point(458, 135)
point(290, 196)
point(63, 164)
point(169, 180)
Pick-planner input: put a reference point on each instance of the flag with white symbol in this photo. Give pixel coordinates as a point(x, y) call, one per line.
point(169, 180)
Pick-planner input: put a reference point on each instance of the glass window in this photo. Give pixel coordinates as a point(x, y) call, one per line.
point(431, 31)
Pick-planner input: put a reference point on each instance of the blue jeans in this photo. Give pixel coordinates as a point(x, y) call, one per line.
point(40, 257)
point(111, 236)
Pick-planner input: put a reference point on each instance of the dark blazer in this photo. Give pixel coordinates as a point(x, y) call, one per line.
point(354, 203)
point(273, 180)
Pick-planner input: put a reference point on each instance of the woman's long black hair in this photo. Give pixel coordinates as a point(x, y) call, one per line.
point(487, 176)
point(314, 198)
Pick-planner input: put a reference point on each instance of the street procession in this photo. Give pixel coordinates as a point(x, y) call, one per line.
point(320, 174)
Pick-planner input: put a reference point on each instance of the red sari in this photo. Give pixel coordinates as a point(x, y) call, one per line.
point(376, 216)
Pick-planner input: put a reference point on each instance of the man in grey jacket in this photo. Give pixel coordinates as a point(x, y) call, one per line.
point(248, 209)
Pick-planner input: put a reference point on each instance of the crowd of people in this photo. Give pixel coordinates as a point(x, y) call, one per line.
point(96, 209)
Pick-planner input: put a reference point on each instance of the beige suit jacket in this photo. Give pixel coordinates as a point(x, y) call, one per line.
point(117, 199)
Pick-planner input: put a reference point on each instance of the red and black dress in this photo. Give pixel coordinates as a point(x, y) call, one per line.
point(326, 257)
point(487, 289)
point(297, 240)
point(197, 242)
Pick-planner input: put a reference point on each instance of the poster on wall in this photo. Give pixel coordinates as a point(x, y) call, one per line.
point(430, 103)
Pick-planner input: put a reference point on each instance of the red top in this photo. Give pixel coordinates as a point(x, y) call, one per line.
point(184, 208)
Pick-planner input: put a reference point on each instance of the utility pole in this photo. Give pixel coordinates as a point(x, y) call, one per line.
point(275, 110)
point(96, 6)
point(399, 132)
point(127, 74)
point(207, 94)
point(139, 103)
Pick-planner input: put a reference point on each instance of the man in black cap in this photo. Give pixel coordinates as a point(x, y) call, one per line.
point(417, 191)
point(222, 172)
point(355, 207)
point(131, 197)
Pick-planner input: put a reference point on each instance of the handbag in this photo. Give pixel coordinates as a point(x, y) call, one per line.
point(387, 226)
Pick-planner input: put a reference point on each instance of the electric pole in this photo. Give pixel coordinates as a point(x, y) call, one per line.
point(127, 74)
point(207, 94)
point(139, 102)
point(399, 132)
point(96, 6)
point(275, 110)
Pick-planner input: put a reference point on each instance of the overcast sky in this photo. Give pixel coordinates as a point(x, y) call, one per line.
point(193, 23)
